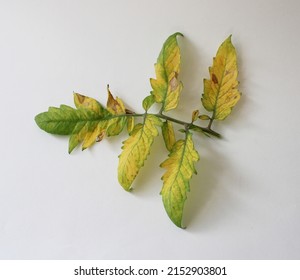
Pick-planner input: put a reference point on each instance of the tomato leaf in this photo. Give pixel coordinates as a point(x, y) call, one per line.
point(180, 168)
point(221, 92)
point(136, 150)
point(87, 124)
point(130, 124)
point(114, 105)
point(166, 87)
point(86, 102)
point(90, 122)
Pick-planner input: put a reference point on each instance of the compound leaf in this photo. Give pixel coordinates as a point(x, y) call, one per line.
point(136, 149)
point(90, 122)
point(166, 87)
point(180, 168)
point(221, 92)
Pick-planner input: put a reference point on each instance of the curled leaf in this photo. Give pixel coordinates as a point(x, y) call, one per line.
point(204, 117)
point(114, 105)
point(195, 115)
point(221, 92)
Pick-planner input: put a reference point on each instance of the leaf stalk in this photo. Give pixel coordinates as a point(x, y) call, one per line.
point(187, 126)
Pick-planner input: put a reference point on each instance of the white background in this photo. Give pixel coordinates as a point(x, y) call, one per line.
point(244, 202)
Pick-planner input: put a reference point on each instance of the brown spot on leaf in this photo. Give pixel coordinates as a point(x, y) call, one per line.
point(111, 102)
point(80, 98)
point(214, 78)
point(100, 136)
point(174, 82)
point(129, 112)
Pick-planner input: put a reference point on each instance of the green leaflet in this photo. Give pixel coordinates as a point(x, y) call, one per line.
point(65, 119)
point(180, 168)
point(86, 124)
point(148, 102)
point(136, 150)
point(166, 87)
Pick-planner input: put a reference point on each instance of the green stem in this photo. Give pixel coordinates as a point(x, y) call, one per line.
point(187, 125)
point(210, 123)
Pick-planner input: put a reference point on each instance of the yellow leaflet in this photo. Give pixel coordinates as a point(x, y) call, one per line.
point(77, 138)
point(180, 168)
point(89, 133)
point(168, 134)
point(136, 149)
point(221, 91)
point(114, 106)
point(86, 102)
point(166, 87)
point(130, 124)
point(195, 115)
point(94, 136)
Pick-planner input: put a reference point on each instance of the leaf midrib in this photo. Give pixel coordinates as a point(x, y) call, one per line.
point(77, 120)
point(181, 161)
point(219, 87)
